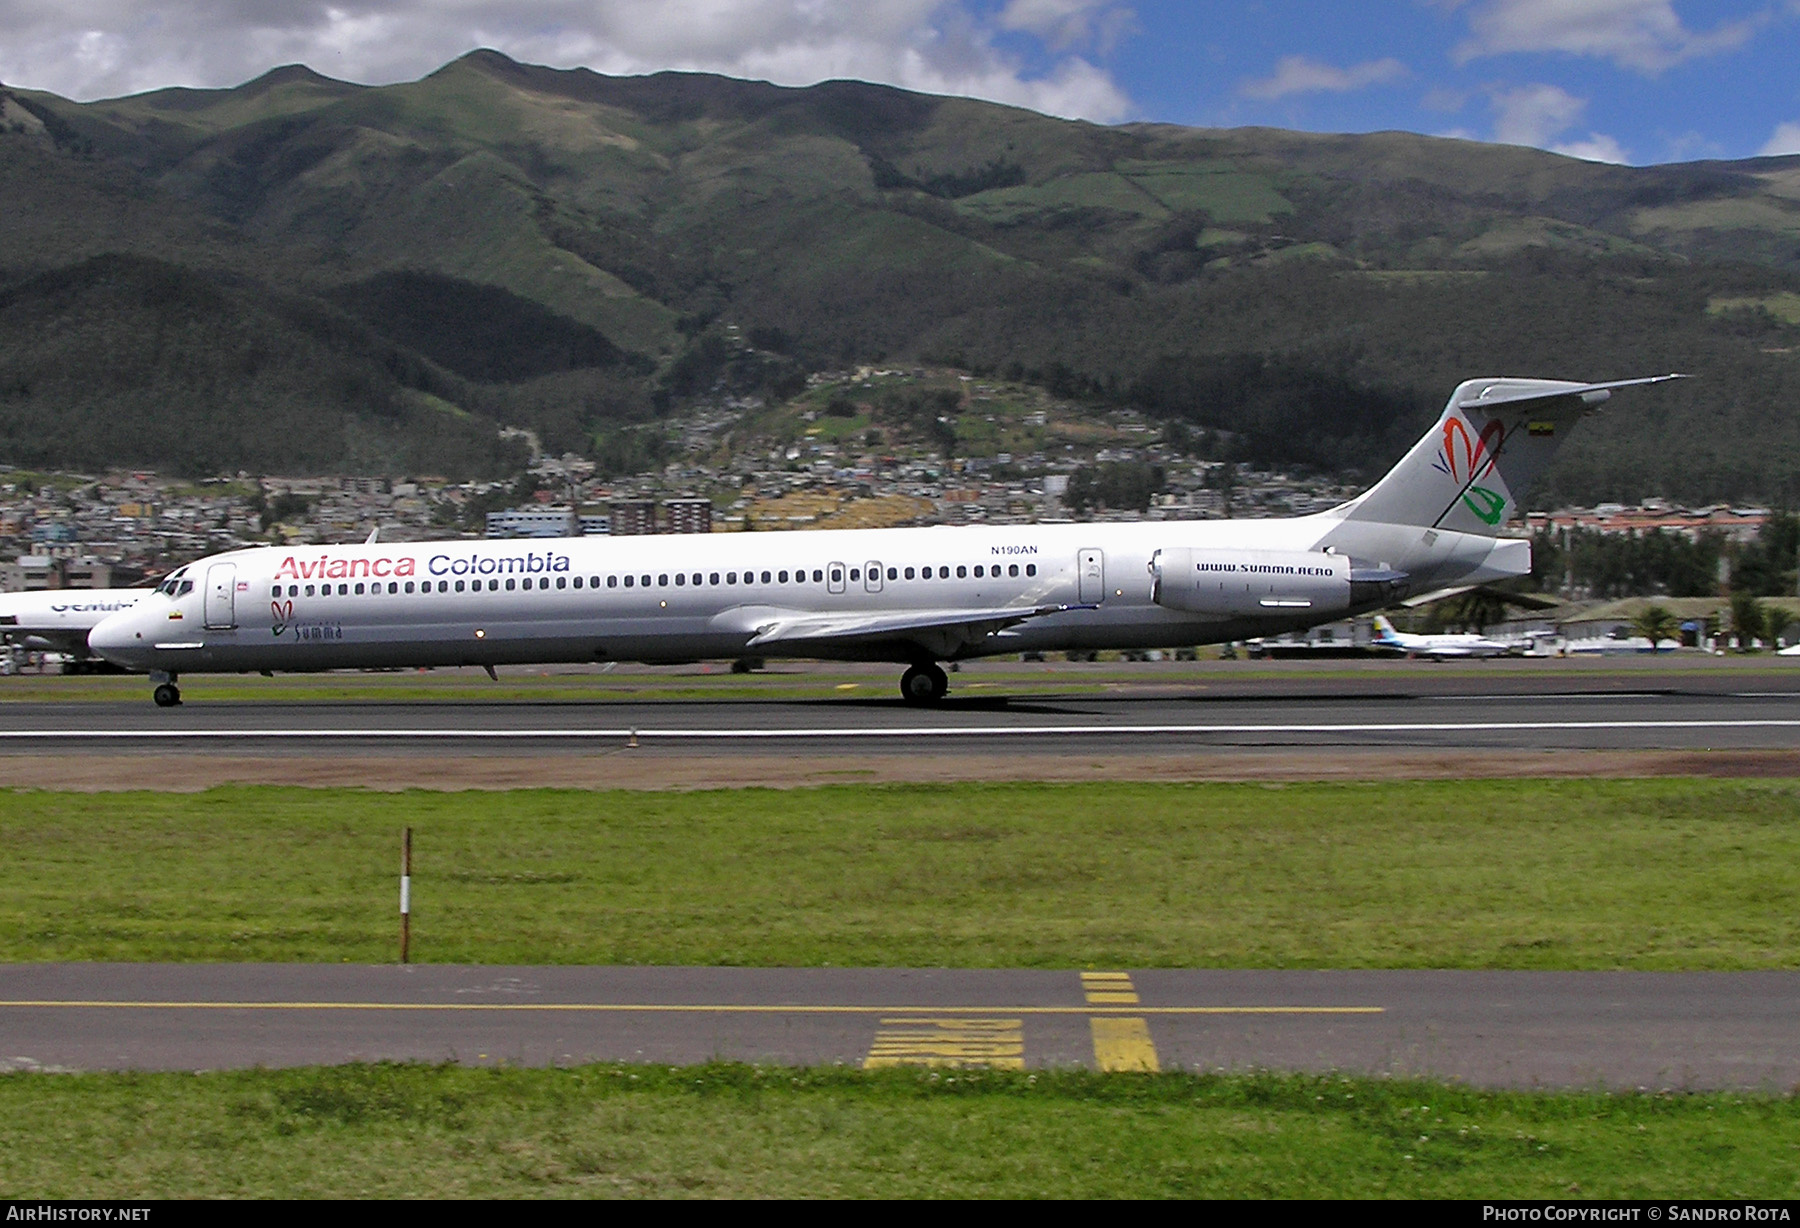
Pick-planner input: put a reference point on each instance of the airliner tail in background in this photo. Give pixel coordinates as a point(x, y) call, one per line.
point(916, 597)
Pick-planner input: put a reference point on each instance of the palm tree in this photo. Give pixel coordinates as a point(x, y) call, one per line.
point(1656, 624)
point(1747, 620)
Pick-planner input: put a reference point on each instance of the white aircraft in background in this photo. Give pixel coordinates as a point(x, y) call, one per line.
point(1437, 647)
point(912, 596)
point(58, 620)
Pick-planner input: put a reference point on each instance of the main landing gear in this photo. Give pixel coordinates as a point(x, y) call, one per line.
point(924, 683)
point(166, 694)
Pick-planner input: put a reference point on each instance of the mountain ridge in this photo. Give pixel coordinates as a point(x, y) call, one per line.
point(1144, 263)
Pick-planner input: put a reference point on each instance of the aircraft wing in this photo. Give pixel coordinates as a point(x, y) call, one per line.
point(938, 629)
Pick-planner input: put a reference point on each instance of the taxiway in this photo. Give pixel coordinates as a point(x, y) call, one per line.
point(1515, 1029)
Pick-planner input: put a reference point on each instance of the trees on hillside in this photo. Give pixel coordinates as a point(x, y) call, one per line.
point(1116, 485)
point(1626, 565)
point(1766, 567)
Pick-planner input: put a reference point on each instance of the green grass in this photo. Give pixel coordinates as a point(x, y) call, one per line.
point(1784, 305)
point(1224, 191)
point(738, 1131)
point(1634, 874)
point(1093, 190)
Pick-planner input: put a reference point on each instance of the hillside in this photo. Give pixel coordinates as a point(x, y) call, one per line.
point(501, 244)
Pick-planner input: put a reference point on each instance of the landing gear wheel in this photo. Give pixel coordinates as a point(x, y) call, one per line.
point(924, 684)
point(167, 695)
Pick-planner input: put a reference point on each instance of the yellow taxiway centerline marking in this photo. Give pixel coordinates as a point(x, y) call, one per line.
point(690, 1007)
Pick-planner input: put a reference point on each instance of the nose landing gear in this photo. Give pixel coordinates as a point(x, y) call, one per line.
point(924, 683)
point(166, 694)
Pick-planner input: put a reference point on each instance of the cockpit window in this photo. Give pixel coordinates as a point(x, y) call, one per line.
point(187, 586)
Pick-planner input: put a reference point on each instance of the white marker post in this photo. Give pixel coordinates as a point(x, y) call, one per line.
point(406, 896)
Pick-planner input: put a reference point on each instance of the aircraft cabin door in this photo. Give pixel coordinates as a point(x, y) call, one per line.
point(221, 596)
point(834, 578)
point(872, 576)
point(1090, 565)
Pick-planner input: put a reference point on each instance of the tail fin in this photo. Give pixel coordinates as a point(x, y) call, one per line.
point(1384, 630)
point(1493, 440)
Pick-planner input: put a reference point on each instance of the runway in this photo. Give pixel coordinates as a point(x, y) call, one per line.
point(1491, 1028)
point(1512, 1029)
point(1409, 707)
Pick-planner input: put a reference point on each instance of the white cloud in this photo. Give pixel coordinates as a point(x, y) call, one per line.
point(1598, 147)
point(1067, 24)
point(99, 48)
point(1645, 35)
point(1532, 114)
point(1539, 114)
point(1299, 74)
point(1785, 140)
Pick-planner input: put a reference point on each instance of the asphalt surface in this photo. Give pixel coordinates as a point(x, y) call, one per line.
point(1407, 705)
point(1512, 1029)
point(1489, 1028)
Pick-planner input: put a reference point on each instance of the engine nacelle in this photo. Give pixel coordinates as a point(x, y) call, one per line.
point(1234, 583)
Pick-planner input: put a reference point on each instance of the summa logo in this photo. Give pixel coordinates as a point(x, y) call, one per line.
point(1473, 462)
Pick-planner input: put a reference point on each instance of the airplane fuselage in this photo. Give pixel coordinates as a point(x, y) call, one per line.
point(919, 596)
point(675, 598)
point(59, 620)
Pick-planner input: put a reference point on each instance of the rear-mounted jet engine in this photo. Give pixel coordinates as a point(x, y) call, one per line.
point(1233, 583)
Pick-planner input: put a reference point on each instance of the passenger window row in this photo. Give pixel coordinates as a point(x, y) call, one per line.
point(696, 579)
point(679, 579)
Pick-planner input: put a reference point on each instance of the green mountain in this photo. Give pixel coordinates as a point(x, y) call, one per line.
point(395, 272)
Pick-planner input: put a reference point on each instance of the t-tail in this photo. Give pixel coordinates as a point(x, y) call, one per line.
point(1435, 519)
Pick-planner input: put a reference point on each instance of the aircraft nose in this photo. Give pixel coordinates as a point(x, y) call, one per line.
point(120, 640)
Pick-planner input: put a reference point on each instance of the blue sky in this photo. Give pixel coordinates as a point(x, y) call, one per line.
point(1633, 82)
point(1637, 81)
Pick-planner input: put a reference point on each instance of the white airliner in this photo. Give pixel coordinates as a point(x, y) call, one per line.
point(912, 596)
point(1459, 644)
point(58, 620)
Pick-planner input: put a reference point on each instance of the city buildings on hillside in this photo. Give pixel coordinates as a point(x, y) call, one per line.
point(1736, 524)
point(138, 523)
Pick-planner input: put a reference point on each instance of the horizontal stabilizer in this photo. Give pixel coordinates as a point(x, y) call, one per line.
point(1519, 393)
